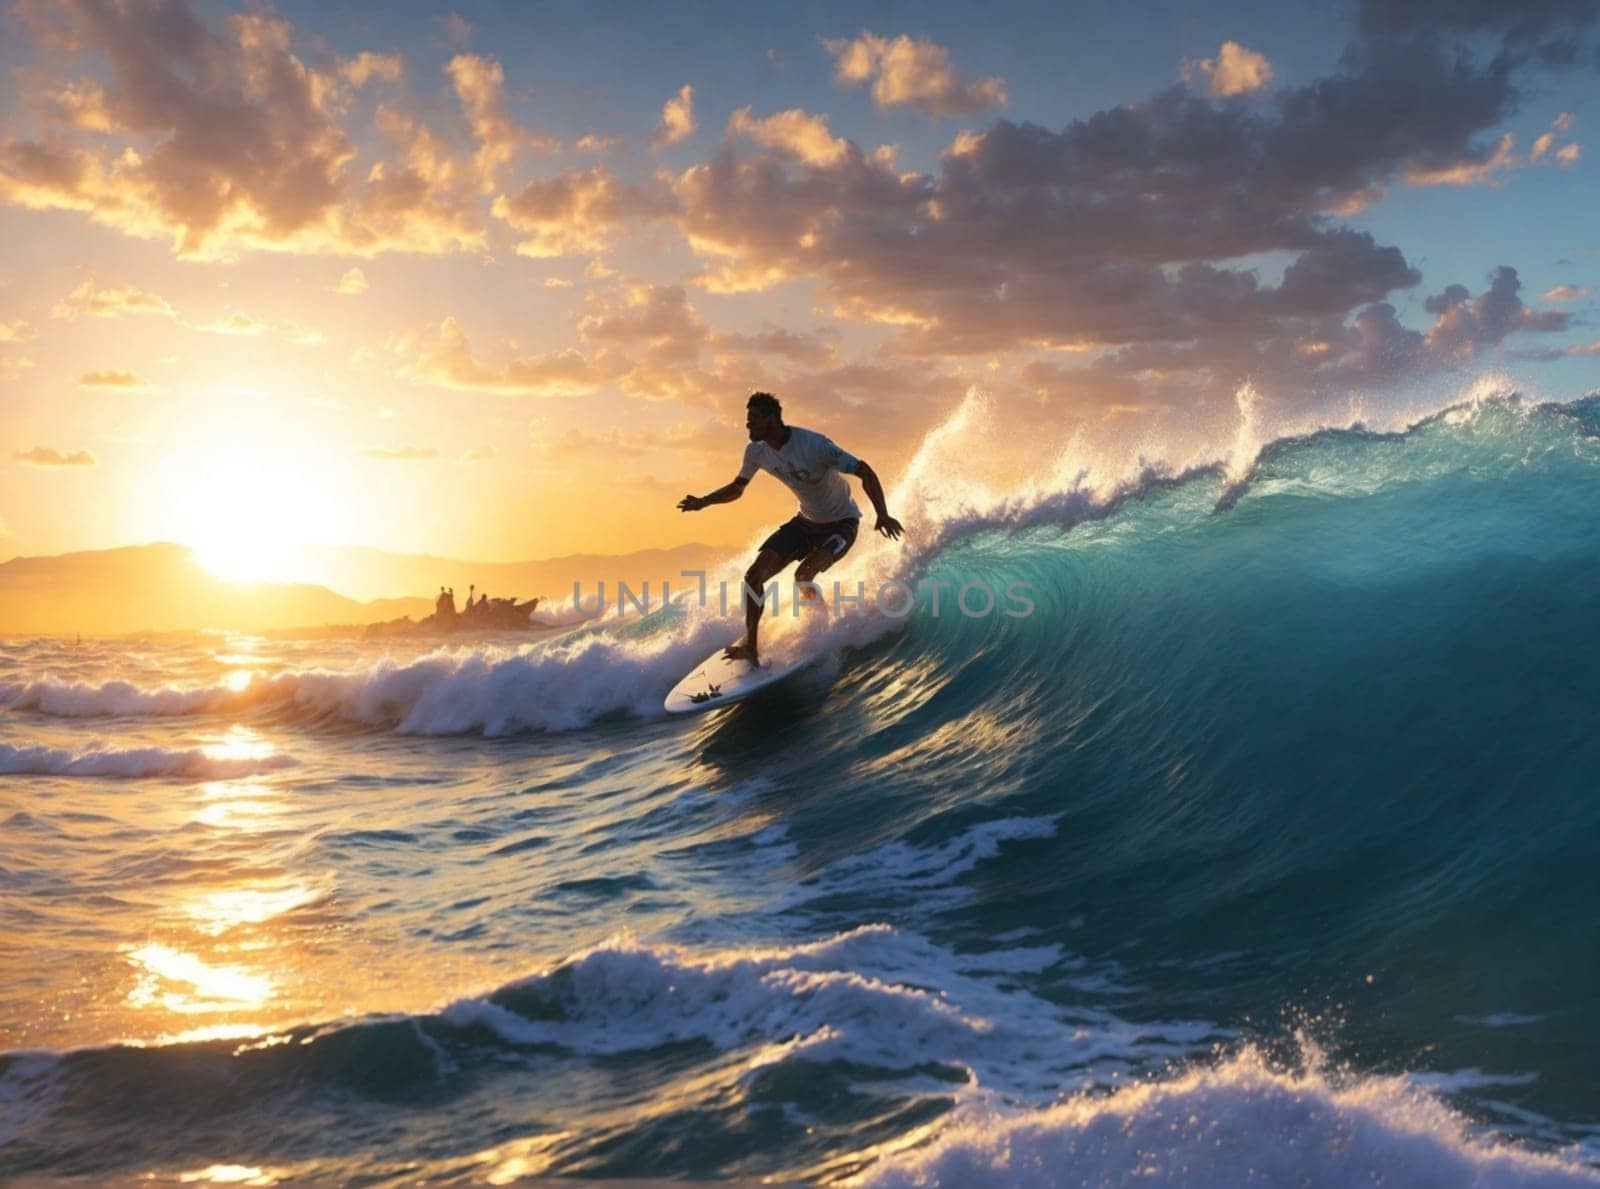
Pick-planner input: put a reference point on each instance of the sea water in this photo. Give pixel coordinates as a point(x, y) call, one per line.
point(1263, 851)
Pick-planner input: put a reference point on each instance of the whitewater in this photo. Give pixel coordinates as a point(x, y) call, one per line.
point(1260, 852)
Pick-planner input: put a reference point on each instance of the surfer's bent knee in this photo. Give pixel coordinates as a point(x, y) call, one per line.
point(766, 564)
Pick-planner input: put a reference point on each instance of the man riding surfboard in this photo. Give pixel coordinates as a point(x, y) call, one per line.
point(809, 464)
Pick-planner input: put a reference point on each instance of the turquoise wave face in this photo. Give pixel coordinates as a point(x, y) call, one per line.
point(1326, 734)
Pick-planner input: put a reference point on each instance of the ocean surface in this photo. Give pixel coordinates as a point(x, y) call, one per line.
point(1264, 851)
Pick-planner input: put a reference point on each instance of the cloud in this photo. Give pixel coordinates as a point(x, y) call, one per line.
point(579, 211)
point(796, 133)
point(49, 456)
point(425, 200)
point(456, 28)
point(366, 66)
point(1465, 326)
point(1467, 171)
point(11, 367)
point(480, 84)
point(1234, 71)
point(402, 453)
point(657, 318)
point(116, 301)
point(912, 73)
point(226, 141)
point(446, 360)
point(774, 340)
point(677, 118)
point(1120, 228)
point(235, 323)
point(81, 105)
point(17, 332)
point(1567, 293)
point(125, 381)
point(111, 302)
point(479, 454)
point(1553, 31)
point(241, 142)
point(352, 283)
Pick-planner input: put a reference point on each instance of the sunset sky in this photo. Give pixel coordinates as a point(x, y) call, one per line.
point(494, 281)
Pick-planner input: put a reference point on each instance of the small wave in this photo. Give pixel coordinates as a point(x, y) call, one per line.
point(117, 699)
point(134, 763)
point(1238, 1123)
point(858, 997)
point(928, 875)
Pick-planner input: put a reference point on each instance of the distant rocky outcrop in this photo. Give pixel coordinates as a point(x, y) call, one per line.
point(161, 588)
point(505, 615)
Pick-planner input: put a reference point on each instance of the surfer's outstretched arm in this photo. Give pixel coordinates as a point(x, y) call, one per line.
point(887, 525)
point(725, 494)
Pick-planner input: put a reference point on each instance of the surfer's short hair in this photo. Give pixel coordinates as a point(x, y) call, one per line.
point(764, 402)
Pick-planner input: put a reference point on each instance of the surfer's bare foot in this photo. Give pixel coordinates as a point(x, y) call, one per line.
point(742, 652)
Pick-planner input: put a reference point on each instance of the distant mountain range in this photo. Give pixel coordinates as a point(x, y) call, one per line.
point(161, 588)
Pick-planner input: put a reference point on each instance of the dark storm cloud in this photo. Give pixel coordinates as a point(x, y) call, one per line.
point(1119, 227)
point(1555, 31)
point(1132, 231)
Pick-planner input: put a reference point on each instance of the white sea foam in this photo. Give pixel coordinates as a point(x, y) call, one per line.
point(928, 874)
point(624, 667)
point(1236, 1124)
point(134, 763)
point(85, 699)
point(873, 996)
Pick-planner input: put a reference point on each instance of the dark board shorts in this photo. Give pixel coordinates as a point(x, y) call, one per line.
point(801, 537)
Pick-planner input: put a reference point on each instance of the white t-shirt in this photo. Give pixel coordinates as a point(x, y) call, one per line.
point(808, 464)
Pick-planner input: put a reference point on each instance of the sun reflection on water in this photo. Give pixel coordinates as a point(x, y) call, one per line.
point(184, 983)
point(222, 909)
point(239, 743)
point(231, 1174)
point(238, 680)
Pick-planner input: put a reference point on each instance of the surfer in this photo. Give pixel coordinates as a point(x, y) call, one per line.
point(809, 464)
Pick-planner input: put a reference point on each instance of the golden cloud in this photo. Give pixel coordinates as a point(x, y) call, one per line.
point(366, 66)
point(677, 118)
point(1466, 172)
point(49, 456)
point(79, 105)
point(232, 143)
point(123, 381)
point(446, 360)
point(658, 318)
point(797, 132)
point(111, 302)
point(912, 73)
point(235, 323)
point(578, 211)
point(1234, 71)
point(352, 283)
point(480, 84)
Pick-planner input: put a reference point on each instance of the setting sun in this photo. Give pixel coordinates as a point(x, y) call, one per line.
point(247, 514)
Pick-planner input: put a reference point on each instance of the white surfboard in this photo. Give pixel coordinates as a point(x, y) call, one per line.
point(717, 681)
